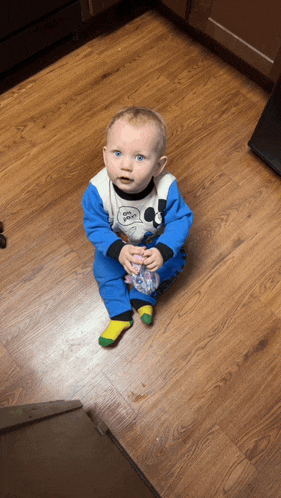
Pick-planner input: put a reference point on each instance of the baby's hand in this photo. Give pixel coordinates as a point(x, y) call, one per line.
point(154, 260)
point(127, 257)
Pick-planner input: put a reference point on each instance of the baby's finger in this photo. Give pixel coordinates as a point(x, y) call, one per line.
point(135, 270)
point(132, 269)
point(153, 268)
point(148, 260)
point(151, 264)
point(147, 253)
point(129, 270)
point(137, 261)
point(138, 250)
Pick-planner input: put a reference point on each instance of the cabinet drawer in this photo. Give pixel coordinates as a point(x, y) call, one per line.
point(39, 35)
point(15, 14)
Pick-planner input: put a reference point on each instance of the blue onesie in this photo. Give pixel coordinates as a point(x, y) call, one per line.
point(156, 217)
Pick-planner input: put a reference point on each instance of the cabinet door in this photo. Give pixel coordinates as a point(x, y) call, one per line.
point(15, 14)
point(249, 29)
point(97, 6)
point(178, 6)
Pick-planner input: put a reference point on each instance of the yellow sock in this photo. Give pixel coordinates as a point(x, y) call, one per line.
point(146, 313)
point(113, 330)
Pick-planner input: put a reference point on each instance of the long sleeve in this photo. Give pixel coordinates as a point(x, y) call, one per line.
point(97, 226)
point(178, 220)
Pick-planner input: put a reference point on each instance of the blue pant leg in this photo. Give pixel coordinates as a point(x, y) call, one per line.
point(109, 274)
point(168, 273)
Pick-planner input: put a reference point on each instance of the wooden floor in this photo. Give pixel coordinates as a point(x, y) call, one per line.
point(195, 400)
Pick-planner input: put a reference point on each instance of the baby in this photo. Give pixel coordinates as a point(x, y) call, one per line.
point(133, 207)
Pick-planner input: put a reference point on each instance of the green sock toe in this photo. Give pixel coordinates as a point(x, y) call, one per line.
point(105, 342)
point(113, 331)
point(146, 318)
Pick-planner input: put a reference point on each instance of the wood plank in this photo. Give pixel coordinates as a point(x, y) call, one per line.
point(18, 416)
point(9, 372)
point(269, 290)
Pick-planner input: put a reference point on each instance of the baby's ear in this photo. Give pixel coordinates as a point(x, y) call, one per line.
point(161, 163)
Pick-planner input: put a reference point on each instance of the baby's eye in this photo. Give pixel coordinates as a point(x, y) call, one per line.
point(117, 153)
point(139, 157)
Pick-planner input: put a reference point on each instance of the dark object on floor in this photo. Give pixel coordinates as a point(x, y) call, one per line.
point(266, 139)
point(56, 449)
point(3, 241)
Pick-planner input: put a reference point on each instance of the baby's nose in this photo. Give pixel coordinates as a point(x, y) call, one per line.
point(127, 163)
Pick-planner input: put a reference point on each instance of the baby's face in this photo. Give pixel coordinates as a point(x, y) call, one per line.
point(131, 156)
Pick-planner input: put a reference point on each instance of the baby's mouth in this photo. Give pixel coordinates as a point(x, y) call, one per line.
point(124, 179)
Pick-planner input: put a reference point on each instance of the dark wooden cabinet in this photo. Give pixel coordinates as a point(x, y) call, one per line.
point(16, 14)
point(29, 26)
point(250, 29)
point(97, 6)
point(180, 7)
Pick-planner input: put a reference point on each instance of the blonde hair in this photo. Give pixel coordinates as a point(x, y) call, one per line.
point(139, 116)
